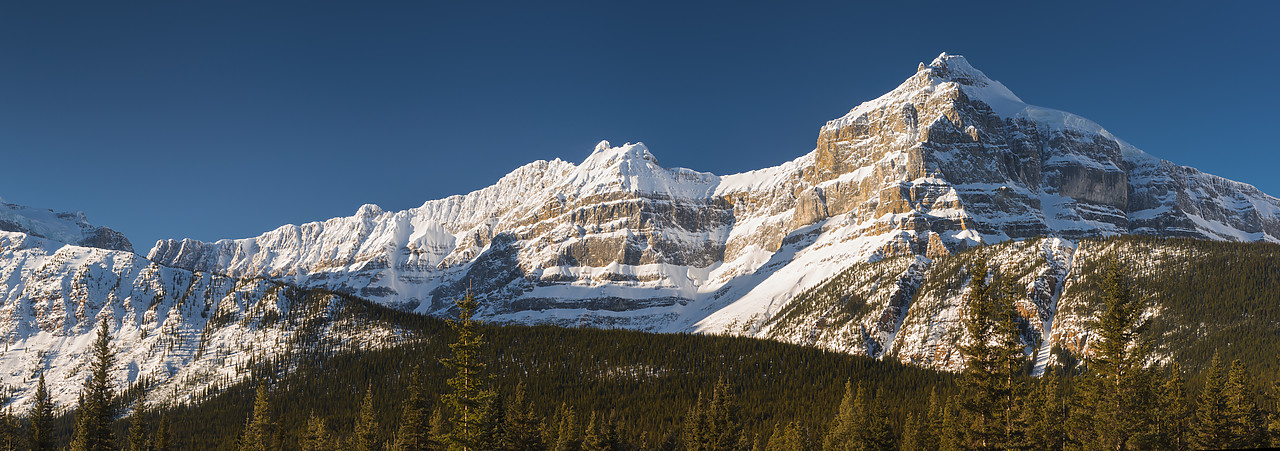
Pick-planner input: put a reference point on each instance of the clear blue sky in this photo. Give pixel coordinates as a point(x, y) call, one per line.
point(227, 119)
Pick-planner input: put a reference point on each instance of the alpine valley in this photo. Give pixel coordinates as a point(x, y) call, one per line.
point(860, 246)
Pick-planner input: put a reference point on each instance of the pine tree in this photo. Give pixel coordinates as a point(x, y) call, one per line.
point(93, 421)
point(1243, 415)
point(522, 424)
point(931, 422)
point(879, 434)
point(1044, 415)
point(979, 381)
point(494, 422)
point(162, 441)
point(1011, 362)
point(439, 429)
point(591, 439)
point(317, 436)
point(724, 427)
point(258, 427)
point(41, 417)
point(10, 431)
point(1211, 429)
point(469, 393)
point(1117, 390)
point(569, 435)
point(138, 431)
point(848, 424)
point(1173, 412)
point(415, 426)
point(697, 427)
point(796, 438)
point(951, 432)
point(366, 430)
point(910, 440)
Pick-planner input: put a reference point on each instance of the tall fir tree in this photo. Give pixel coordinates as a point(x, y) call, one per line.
point(259, 427)
point(569, 433)
point(1117, 390)
point(1211, 429)
point(849, 422)
point(951, 433)
point(414, 433)
point(1044, 414)
point(317, 436)
point(1173, 412)
point(439, 428)
point(162, 440)
point(97, 411)
point(367, 428)
point(469, 393)
point(697, 427)
point(910, 440)
point(138, 440)
point(979, 381)
point(1011, 362)
point(10, 429)
point(41, 417)
point(1244, 418)
point(522, 430)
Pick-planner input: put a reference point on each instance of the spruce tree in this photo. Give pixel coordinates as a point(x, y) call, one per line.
point(259, 427)
point(138, 440)
point(162, 441)
point(951, 433)
point(10, 430)
point(697, 427)
point(1172, 412)
point(93, 420)
point(41, 417)
point(415, 421)
point(469, 394)
point(439, 429)
point(930, 422)
point(1243, 415)
point(317, 436)
point(366, 430)
point(1011, 362)
point(1117, 390)
point(522, 430)
point(848, 424)
point(910, 440)
point(569, 434)
point(1211, 429)
point(1044, 415)
point(979, 381)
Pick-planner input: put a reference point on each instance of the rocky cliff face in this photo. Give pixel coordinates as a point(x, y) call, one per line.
point(848, 246)
point(948, 160)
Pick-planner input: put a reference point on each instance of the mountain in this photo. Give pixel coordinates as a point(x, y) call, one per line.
point(860, 246)
point(949, 160)
point(63, 227)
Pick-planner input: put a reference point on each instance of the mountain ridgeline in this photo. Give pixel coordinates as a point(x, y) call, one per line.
point(864, 245)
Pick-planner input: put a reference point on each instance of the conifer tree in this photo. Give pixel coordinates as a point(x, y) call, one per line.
point(522, 430)
point(259, 426)
point(317, 436)
point(494, 422)
point(930, 422)
point(469, 394)
point(848, 423)
point(1117, 390)
point(162, 441)
point(1011, 361)
point(1044, 415)
point(439, 429)
point(366, 430)
point(41, 417)
point(138, 431)
point(879, 434)
point(979, 381)
point(569, 435)
point(591, 438)
point(93, 421)
point(1173, 412)
point(10, 431)
point(1243, 415)
point(796, 438)
point(951, 432)
point(697, 427)
point(910, 440)
point(415, 426)
point(1212, 427)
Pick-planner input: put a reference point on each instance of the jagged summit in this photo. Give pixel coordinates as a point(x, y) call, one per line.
point(65, 227)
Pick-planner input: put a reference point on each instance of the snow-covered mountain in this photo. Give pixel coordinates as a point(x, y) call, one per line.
point(948, 160)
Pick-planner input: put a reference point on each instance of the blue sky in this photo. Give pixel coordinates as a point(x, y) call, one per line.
point(227, 119)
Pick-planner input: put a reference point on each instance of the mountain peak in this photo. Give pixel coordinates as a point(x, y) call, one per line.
point(606, 156)
point(948, 67)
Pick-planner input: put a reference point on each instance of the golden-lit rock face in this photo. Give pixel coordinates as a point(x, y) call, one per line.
point(948, 160)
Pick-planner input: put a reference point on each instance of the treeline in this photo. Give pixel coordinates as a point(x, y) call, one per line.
point(477, 387)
